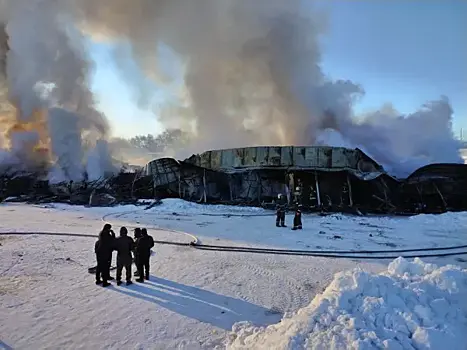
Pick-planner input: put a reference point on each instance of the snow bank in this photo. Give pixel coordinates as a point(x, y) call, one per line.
point(411, 306)
point(181, 206)
point(440, 220)
point(170, 205)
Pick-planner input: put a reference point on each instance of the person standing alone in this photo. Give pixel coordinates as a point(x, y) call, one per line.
point(124, 246)
point(143, 253)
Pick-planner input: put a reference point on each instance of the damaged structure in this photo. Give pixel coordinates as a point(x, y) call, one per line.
point(317, 178)
point(324, 179)
point(436, 188)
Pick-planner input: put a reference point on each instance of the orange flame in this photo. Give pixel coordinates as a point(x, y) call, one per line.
point(37, 150)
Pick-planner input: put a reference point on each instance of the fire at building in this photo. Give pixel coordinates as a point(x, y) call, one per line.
point(318, 179)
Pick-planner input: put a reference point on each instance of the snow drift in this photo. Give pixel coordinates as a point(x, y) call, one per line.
point(413, 305)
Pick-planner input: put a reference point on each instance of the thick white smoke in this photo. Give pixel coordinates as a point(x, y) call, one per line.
point(251, 75)
point(45, 74)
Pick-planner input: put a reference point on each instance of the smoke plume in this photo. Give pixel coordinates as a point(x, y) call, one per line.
point(250, 73)
point(48, 112)
point(252, 76)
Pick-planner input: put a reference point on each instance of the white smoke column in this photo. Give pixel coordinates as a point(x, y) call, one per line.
point(228, 63)
point(404, 143)
point(99, 162)
point(45, 48)
point(66, 146)
point(21, 146)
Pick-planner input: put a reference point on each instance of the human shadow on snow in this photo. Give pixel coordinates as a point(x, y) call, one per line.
point(216, 309)
point(5, 346)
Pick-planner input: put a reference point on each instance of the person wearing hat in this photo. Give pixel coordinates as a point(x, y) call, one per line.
point(124, 245)
point(143, 251)
point(297, 220)
point(103, 249)
point(281, 208)
point(112, 233)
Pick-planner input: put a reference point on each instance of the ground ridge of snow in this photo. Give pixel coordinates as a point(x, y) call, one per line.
point(413, 305)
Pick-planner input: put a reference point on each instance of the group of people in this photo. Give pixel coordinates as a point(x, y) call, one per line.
point(129, 250)
point(281, 208)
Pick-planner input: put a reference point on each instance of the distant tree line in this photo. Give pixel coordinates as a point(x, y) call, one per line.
point(169, 139)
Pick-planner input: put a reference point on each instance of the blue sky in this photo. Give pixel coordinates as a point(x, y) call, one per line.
point(402, 52)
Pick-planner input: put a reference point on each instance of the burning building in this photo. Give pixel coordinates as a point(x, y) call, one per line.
point(315, 177)
point(229, 98)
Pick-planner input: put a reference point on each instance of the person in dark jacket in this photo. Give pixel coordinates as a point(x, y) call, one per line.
point(103, 249)
point(143, 251)
point(124, 245)
point(297, 220)
point(281, 207)
point(108, 227)
point(137, 235)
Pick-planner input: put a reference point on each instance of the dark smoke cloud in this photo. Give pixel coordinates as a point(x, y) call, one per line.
point(251, 75)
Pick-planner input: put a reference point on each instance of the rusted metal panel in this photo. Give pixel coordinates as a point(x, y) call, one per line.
point(324, 157)
point(227, 158)
point(287, 156)
point(340, 158)
point(250, 156)
point(352, 158)
point(262, 156)
point(311, 156)
point(205, 160)
point(238, 154)
point(171, 177)
point(299, 156)
point(274, 156)
point(195, 159)
point(216, 158)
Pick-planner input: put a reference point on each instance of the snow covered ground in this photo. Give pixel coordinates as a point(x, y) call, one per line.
point(255, 227)
point(412, 306)
point(194, 298)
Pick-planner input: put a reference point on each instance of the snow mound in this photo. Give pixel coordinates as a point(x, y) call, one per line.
point(413, 305)
point(441, 219)
point(181, 206)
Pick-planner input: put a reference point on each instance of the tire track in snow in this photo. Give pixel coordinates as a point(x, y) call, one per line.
point(291, 295)
point(294, 293)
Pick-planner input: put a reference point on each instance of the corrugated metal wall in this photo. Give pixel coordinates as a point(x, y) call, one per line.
point(315, 157)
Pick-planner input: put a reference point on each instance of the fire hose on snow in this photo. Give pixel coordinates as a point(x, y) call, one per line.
point(335, 254)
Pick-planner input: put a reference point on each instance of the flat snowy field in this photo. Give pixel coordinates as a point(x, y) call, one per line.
point(202, 299)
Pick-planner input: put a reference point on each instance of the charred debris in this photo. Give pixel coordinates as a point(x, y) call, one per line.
point(321, 179)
